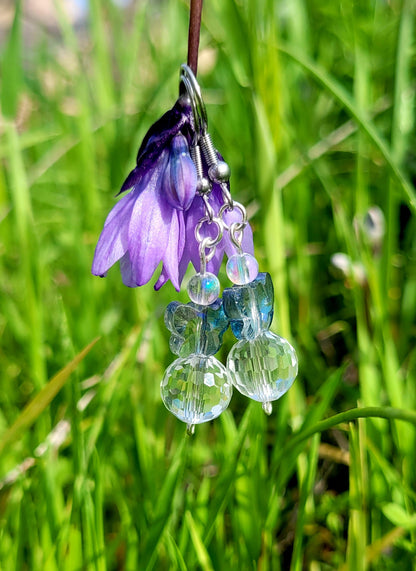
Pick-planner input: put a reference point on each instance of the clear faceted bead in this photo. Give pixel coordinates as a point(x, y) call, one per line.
point(242, 268)
point(204, 289)
point(196, 388)
point(263, 368)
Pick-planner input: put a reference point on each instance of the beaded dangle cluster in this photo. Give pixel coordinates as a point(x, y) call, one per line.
point(197, 387)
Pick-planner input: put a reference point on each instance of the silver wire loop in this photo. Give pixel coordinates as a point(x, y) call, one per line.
point(206, 257)
point(230, 208)
point(208, 240)
point(189, 86)
point(209, 211)
point(236, 235)
point(228, 199)
point(235, 229)
point(192, 89)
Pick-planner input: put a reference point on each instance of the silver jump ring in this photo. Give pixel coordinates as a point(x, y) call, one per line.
point(210, 241)
point(236, 206)
point(189, 82)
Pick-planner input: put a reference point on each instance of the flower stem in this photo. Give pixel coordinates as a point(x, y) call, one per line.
point(194, 32)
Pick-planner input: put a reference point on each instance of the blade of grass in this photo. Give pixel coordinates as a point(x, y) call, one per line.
point(357, 525)
point(103, 81)
point(27, 242)
point(163, 508)
point(39, 403)
point(401, 128)
point(176, 555)
point(342, 95)
point(227, 476)
point(282, 471)
point(12, 67)
point(388, 413)
point(198, 544)
point(306, 489)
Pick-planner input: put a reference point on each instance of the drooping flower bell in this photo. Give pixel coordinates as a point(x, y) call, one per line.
point(155, 222)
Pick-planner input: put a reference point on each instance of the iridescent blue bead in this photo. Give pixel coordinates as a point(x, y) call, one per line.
point(242, 268)
point(204, 289)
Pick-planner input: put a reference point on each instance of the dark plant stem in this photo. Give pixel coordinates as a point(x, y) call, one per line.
point(194, 32)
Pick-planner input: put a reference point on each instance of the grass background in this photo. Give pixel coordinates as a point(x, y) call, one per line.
point(312, 104)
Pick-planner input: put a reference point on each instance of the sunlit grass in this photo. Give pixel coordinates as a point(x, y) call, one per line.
point(312, 104)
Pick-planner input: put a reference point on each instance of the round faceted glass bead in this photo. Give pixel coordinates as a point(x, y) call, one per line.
point(263, 368)
point(242, 268)
point(196, 388)
point(204, 289)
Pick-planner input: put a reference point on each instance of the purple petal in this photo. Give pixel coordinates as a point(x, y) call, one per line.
point(165, 128)
point(119, 207)
point(191, 249)
point(126, 271)
point(158, 138)
point(113, 241)
point(149, 228)
point(179, 181)
point(161, 280)
point(173, 253)
point(131, 180)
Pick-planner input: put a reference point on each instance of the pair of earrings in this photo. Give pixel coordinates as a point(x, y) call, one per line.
point(197, 387)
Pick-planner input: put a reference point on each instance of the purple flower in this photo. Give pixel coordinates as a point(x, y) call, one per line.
point(155, 222)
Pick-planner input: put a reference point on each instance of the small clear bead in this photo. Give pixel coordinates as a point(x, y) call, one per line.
point(267, 407)
point(242, 268)
point(204, 289)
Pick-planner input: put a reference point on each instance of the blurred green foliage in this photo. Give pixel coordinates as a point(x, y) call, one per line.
point(312, 104)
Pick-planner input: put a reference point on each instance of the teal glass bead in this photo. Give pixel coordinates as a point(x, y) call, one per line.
point(250, 307)
point(263, 368)
point(196, 389)
point(195, 329)
point(204, 289)
point(242, 268)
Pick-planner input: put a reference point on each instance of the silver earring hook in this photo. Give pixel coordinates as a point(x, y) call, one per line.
point(189, 85)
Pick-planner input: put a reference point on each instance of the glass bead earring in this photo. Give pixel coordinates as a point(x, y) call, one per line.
point(262, 365)
point(196, 387)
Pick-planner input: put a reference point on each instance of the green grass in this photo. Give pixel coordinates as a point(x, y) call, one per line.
point(312, 104)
